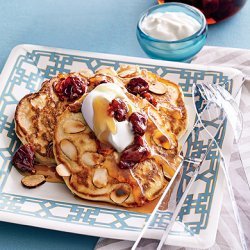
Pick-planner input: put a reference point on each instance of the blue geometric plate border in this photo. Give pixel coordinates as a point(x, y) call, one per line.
point(30, 67)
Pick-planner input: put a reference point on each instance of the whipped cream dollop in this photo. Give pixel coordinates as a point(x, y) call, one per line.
point(106, 128)
point(170, 26)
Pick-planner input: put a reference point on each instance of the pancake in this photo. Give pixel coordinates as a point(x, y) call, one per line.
point(94, 174)
point(91, 170)
point(36, 116)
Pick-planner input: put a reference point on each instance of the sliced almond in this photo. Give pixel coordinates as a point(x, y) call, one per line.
point(127, 74)
point(128, 71)
point(86, 72)
point(62, 170)
point(120, 193)
point(161, 140)
point(158, 88)
point(32, 181)
point(100, 178)
point(107, 71)
point(91, 159)
point(168, 172)
point(100, 78)
point(69, 149)
point(73, 127)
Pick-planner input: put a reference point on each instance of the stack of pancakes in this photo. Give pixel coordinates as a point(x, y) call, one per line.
point(60, 135)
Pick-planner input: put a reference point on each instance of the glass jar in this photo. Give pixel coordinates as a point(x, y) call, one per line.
point(214, 10)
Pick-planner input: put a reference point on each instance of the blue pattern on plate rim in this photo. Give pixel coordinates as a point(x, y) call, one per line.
point(46, 64)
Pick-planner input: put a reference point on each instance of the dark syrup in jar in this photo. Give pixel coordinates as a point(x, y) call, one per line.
point(214, 10)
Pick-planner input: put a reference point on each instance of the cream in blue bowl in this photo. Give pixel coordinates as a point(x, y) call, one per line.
point(172, 31)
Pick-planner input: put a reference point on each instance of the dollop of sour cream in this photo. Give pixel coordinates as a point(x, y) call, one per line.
point(106, 128)
point(170, 26)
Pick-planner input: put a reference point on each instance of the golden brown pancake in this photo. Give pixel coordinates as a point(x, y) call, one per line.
point(94, 173)
point(36, 116)
point(91, 169)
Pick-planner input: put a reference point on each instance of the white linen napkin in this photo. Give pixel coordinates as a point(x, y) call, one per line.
point(226, 235)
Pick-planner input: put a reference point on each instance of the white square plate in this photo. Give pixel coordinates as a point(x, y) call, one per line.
point(52, 205)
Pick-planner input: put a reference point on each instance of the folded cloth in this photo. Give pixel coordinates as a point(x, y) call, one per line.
point(227, 231)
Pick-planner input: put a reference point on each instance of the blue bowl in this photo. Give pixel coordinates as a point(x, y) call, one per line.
point(181, 50)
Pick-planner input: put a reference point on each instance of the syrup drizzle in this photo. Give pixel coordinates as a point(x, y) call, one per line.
point(103, 123)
